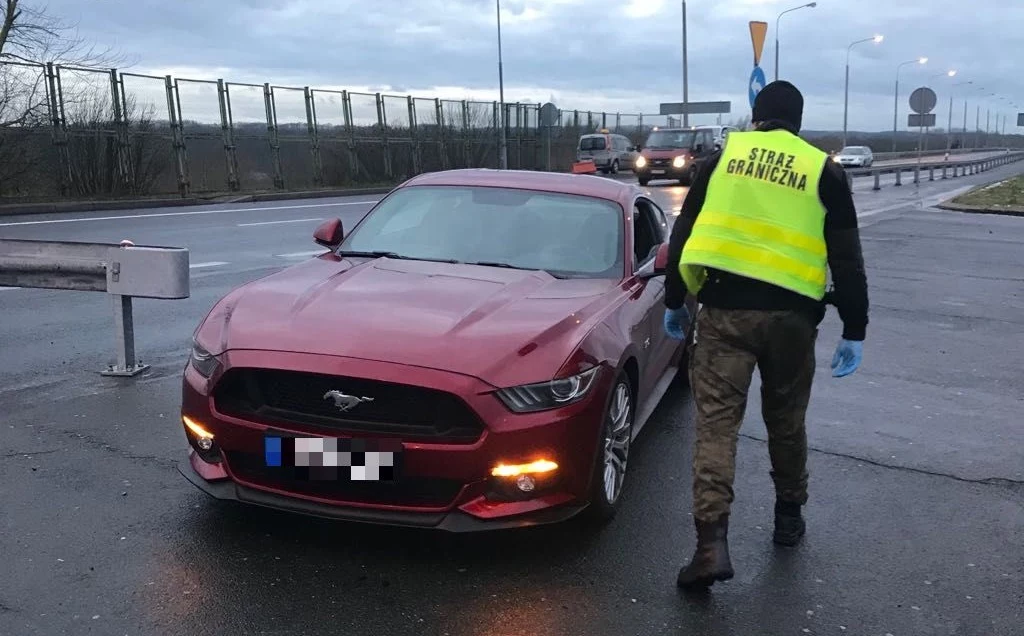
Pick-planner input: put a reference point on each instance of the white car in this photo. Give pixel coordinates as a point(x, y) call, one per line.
point(855, 156)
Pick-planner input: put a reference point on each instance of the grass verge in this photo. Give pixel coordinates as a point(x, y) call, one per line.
point(1007, 195)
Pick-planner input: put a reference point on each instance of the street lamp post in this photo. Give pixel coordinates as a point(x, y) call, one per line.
point(846, 98)
point(949, 127)
point(503, 151)
point(950, 73)
point(686, 75)
point(896, 96)
point(809, 5)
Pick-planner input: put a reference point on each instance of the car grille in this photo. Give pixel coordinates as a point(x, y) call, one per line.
point(410, 412)
point(660, 163)
point(411, 491)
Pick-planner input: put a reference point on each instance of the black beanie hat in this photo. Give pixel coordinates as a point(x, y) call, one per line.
point(779, 100)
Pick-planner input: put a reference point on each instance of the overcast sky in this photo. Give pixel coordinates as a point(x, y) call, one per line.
point(614, 55)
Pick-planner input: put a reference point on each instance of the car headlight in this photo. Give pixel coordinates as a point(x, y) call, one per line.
point(202, 360)
point(548, 395)
point(679, 162)
point(640, 162)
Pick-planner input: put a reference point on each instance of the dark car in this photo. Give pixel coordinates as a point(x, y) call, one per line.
point(673, 153)
point(478, 352)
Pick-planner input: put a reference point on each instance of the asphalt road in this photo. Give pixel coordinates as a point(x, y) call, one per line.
point(915, 520)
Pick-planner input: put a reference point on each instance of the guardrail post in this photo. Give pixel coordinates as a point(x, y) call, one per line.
point(931, 173)
point(849, 181)
point(899, 177)
point(127, 365)
point(878, 181)
point(945, 169)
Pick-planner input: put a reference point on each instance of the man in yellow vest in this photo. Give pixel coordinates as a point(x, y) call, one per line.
point(764, 221)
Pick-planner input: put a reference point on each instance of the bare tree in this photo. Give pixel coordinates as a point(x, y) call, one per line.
point(30, 38)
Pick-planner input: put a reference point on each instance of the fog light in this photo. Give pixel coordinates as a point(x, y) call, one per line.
point(525, 483)
point(204, 443)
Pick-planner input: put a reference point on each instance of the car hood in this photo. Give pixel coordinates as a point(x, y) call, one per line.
point(503, 326)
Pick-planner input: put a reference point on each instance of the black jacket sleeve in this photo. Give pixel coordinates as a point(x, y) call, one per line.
point(675, 288)
point(845, 257)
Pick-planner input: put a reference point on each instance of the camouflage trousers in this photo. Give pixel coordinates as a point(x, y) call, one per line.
point(730, 343)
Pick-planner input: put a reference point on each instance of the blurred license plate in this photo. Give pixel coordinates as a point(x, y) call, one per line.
point(328, 458)
point(657, 172)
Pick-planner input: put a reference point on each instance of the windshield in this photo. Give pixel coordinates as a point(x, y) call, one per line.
point(670, 139)
point(852, 150)
point(592, 143)
point(566, 235)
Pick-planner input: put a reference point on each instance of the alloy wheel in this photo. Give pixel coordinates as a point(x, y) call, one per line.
point(616, 442)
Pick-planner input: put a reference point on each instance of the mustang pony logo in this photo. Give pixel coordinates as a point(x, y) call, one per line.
point(345, 402)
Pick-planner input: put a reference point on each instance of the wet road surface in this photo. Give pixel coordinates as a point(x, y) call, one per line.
point(915, 523)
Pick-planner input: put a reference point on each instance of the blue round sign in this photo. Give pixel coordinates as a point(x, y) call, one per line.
point(757, 82)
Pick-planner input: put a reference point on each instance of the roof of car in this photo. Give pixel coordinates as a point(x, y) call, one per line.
point(556, 182)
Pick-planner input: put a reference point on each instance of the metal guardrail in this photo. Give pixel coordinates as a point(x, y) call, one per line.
point(912, 154)
point(959, 167)
point(124, 271)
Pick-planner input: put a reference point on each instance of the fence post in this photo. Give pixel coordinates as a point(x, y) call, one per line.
point(382, 124)
point(350, 133)
point(441, 133)
point(59, 131)
point(275, 144)
point(177, 137)
point(228, 134)
point(124, 163)
point(414, 133)
point(314, 138)
point(468, 145)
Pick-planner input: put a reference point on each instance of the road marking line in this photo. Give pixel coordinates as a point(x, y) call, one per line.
point(209, 264)
point(192, 213)
point(8, 288)
point(276, 222)
point(301, 254)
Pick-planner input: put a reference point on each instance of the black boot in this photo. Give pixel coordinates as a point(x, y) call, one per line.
point(789, 524)
point(710, 561)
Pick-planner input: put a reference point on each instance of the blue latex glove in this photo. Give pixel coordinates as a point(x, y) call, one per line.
point(847, 357)
point(676, 321)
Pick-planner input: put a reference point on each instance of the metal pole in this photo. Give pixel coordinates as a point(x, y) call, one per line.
point(686, 77)
point(895, 108)
point(965, 122)
point(949, 126)
point(503, 152)
point(124, 332)
point(777, 46)
point(846, 96)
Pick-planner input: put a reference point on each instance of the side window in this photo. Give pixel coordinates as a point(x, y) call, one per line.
point(648, 231)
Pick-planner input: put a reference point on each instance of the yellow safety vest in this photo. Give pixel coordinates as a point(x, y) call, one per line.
point(762, 217)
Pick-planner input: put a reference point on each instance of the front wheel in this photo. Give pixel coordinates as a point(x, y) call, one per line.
point(613, 451)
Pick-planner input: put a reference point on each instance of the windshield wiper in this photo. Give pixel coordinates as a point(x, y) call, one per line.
point(511, 266)
point(394, 255)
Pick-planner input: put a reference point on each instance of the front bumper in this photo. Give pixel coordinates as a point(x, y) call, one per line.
point(468, 500)
point(448, 521)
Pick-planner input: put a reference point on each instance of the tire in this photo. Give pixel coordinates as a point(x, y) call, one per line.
point(609, 474)
point(615, 167)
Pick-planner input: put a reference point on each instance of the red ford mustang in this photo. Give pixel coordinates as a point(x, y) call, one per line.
point(478, 352)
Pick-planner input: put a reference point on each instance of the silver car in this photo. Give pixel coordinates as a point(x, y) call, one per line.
point(609, 152)
point(854, 157)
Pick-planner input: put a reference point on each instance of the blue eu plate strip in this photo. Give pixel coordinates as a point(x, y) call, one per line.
point(272, 450)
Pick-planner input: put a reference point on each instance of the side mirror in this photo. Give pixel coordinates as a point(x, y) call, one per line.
point(660, 263)
point(329, 234)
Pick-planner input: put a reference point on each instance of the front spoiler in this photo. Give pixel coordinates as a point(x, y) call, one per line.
point(455, 521)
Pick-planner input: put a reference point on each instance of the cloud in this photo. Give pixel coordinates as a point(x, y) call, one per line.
point(615, 55)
